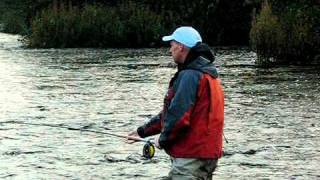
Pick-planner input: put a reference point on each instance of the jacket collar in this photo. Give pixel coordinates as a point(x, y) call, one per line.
point(200, 58)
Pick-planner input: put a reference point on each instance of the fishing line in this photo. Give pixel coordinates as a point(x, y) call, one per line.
point(148, 148)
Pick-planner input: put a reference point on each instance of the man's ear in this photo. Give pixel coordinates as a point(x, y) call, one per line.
point(182, 47)
point(185, 49)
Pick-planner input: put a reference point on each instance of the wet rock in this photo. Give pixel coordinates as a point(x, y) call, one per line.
point(250, 152)
point(7, 176)
point(283, 146)
point(146, 115)
point(226, 153)
point(17, 152)
point(12, 153)
point(133, 159)
point(40, 117)
point(111, 159)
point(168, 65)
point(88, 126)
point(253, 164)
point(42, 108)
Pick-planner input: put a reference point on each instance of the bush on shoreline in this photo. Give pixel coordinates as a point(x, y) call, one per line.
point(13, 23)
point(288, 35)
point(96, 26)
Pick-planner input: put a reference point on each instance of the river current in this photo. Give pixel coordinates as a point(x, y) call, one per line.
point(272, 118)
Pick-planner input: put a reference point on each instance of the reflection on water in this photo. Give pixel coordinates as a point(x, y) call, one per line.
point(272, 120)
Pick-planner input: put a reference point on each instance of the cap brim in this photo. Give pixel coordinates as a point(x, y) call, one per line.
point(167, 38)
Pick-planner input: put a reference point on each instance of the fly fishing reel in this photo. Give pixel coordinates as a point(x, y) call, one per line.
point(148, 150)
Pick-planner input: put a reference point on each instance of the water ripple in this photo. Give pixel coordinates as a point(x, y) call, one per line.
point(50, 97)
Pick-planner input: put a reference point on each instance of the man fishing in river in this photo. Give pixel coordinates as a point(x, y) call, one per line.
point(191, 122)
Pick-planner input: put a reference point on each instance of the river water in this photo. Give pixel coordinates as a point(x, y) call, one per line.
point(272, 118)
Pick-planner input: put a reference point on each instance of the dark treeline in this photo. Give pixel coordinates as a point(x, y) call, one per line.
point(222, 22)
point(280, 31)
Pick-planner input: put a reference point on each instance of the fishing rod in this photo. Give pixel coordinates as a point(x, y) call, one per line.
point(148, 149)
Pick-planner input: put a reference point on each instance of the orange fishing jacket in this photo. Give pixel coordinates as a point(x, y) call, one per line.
point(191, 122)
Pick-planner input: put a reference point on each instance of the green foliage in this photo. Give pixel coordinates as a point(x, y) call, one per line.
point(16, 15)
point(225, 22)
point(287, 36)
point(285, 31)
point(266, 35)
point(129, 25)
point(12, 22)
point(54, 29)
point(140, 26)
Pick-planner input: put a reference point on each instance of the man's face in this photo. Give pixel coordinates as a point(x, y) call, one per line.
point(176, 50)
